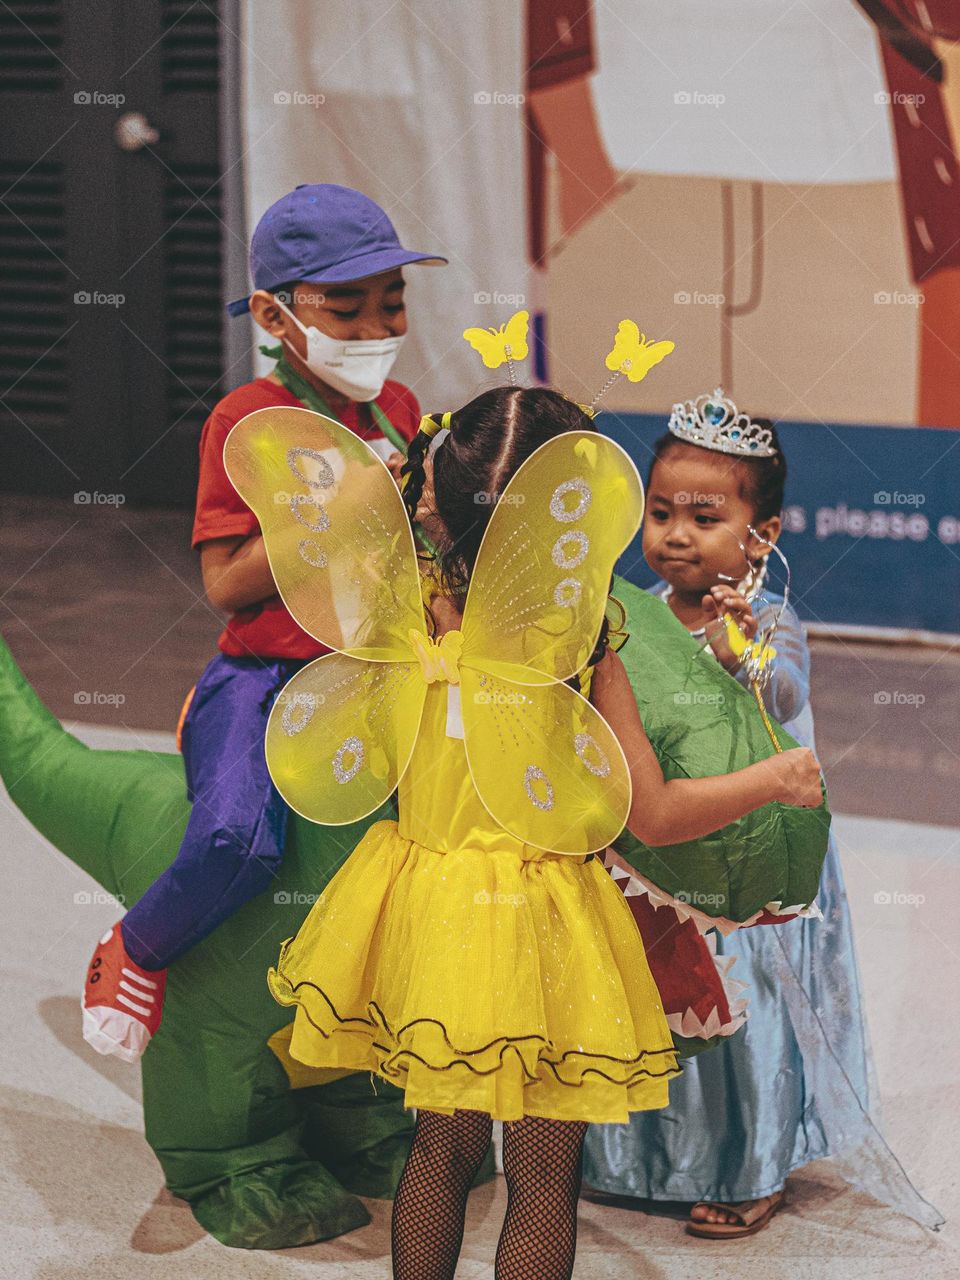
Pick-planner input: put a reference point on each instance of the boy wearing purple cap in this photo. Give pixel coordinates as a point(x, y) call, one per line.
point(327, 269)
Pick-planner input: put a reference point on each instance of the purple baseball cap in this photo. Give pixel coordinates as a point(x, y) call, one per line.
point(324, 234)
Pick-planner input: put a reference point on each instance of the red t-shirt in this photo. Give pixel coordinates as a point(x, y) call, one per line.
point(267, 630)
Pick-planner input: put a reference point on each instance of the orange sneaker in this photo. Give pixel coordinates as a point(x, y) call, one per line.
point(122, 1003)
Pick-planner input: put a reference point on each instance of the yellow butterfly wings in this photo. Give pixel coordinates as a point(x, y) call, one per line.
point(545, 764)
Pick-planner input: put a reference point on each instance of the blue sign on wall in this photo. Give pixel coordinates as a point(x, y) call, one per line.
point(871, 522)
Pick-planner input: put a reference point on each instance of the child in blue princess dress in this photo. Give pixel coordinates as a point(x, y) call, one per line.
point(792, 1085)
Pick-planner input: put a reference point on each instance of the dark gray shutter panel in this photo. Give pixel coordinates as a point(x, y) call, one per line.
point(35, 288)
point(31, 44)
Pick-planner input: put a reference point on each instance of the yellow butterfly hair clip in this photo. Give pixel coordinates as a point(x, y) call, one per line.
point(503, 345)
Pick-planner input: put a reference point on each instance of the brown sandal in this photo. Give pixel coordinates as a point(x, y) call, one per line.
point(753, 1214)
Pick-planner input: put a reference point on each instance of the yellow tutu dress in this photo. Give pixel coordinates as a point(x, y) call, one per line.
point(475, 971)
point(451, 954)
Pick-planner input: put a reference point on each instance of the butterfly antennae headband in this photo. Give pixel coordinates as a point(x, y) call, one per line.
point(632, 354)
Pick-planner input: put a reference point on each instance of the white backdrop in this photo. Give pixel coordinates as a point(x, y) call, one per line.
point(411, 105)
point(743, 89)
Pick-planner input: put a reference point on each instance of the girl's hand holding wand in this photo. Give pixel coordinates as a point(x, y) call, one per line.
point(722, 600)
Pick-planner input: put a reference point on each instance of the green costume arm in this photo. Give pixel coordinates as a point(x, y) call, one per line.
point(701, 722)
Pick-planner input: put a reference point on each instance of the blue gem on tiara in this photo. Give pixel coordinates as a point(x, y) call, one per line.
point(714, 422)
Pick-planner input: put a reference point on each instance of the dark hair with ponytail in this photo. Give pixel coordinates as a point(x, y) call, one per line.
point(489, 439)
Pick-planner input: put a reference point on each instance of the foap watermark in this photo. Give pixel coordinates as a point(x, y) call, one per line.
point(897, 298)
point(482, 298)
point(288, 897)
point(98, 898)
point(298, 98)
point(94, 298)
point(94, 698)
point(495, 98)
point(696, 498)
point(697, 298)
point(97, 98)
point(694, 898)
point(898, 698)
point(499, 698)
point(84, 498)
point(899, 99)
point(894, 498)
point(894, 898)
point(305, 297)
point(696, 98)
point(490, 498)
point(484, 898)
point(698, 698)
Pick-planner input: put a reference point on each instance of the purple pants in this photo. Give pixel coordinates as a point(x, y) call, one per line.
point(233, 844)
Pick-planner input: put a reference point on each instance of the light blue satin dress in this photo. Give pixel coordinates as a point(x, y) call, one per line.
point(792, 1085)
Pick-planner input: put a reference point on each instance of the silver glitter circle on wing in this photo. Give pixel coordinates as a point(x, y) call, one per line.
point(559, 511)
point(579, 540)
point(311, 552)
point(567, 593)
point(535, 774)
point(326, 476)
point(581, 744)
point(298, 713)
point(306, 499)
point(345, 775)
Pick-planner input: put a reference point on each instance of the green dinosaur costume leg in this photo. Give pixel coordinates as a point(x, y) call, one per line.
point(262, 1164)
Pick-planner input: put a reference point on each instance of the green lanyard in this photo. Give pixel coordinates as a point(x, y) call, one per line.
point(305, 393)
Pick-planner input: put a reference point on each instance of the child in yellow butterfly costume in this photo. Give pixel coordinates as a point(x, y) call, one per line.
point(476, 953)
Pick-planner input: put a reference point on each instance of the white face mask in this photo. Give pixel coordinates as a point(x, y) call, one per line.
point(355, 369)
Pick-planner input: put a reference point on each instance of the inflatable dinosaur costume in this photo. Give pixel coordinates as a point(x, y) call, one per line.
point(265, 1154)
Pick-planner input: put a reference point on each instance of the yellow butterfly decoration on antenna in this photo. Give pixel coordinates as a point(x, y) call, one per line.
point(755, 656)
point(632, 354)
point(497, 346)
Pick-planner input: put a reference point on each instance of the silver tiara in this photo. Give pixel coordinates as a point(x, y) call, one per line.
point(714, 422)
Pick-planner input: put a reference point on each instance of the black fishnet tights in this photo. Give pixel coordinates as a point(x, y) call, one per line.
point(431, 1200)
point(541, 1160)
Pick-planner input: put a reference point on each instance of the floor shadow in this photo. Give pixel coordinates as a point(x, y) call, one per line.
point(62, 1017)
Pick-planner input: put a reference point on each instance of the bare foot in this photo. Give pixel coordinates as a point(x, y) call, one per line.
point(705, 1213)
point(734, 1220)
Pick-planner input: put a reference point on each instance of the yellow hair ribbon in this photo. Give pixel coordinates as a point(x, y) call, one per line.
point(429, 426)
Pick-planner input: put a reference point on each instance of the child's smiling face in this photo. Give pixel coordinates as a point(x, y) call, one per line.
point(697, 516)
point(355, 311)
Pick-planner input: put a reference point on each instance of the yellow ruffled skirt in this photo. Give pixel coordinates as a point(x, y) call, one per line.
point(494, 981)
